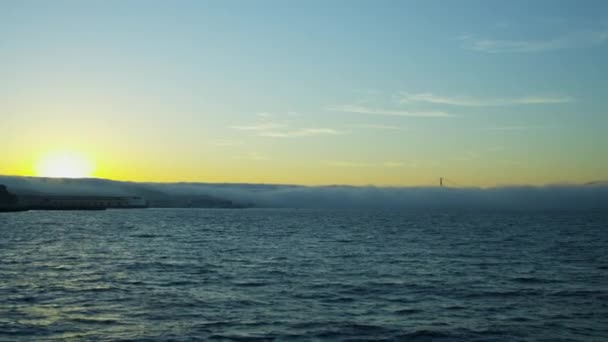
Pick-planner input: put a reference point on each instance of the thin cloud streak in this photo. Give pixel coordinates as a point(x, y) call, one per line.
point(264, 126)
point(270, 129)
point(511, 128)
point(576, 39)
point(304, 132)
point(408, 98)
point(386, 112)
point(380, 127)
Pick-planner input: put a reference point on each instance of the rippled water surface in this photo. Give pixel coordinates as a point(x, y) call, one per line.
point(302, 274)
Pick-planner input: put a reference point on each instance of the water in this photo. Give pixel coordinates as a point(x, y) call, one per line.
point(303, 274)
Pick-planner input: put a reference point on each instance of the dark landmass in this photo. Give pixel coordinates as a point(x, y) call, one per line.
point(155, 195)
point(7, 198)
point(8, 201)
point(589, 196)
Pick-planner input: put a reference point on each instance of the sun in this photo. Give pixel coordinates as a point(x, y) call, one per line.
point(64, 165)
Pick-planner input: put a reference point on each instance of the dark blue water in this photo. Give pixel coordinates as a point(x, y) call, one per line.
point(303, 274)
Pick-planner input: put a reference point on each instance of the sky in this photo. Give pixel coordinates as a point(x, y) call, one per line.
point(388, 93)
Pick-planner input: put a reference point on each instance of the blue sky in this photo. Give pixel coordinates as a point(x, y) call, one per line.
point(311, 92)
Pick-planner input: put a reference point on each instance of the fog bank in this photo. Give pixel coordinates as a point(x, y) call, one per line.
point(549, 197)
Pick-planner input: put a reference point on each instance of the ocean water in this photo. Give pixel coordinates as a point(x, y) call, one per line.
point(159, 275)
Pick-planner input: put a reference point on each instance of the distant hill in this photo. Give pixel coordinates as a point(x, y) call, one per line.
point(156, 195)
point(7, 199)
point(591, 196)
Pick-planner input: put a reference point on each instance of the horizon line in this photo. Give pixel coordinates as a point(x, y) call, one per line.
point(430, 185)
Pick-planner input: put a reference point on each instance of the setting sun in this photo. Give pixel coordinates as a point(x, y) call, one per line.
point(65, 165)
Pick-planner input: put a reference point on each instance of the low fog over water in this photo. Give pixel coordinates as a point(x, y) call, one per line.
point(593, 196)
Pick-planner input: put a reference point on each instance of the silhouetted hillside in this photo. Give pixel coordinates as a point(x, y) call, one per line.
point(216, 195)
point(156, 195)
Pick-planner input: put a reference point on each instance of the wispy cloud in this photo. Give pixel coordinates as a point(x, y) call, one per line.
point(261, 126)
point(408, 98)
point(386, 112)
point(268, 116)
point(380, 127)
point(511, 128)
point(263, 115)
point(575, 39)
point(303, 132)
point(271, 129)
